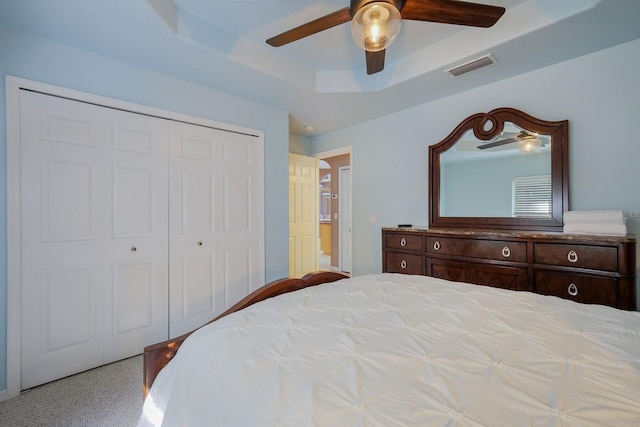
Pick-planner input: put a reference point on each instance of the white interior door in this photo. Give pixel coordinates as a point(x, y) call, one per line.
point(93, 180)
point(215, 226)
point(345, 218)
point(304, 221)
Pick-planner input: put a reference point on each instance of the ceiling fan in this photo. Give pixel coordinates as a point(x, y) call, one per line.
point(526, 141)
point(376, 23)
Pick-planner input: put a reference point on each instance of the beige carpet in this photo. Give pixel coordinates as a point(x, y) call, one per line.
point(109, 396)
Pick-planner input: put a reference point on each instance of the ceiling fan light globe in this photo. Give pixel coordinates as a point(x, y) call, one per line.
point(375, 44)
point(375, 26)
point(528, 145)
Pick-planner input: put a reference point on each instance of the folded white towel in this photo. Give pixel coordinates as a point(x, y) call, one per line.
point(596, 228)
point(594, 217)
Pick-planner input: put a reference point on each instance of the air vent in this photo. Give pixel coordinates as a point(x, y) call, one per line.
point(473, 65)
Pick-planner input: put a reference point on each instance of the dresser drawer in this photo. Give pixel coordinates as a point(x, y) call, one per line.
point(445, 269)
point(486, 249)
point(497, 276)
point(577, 287)
point(580, 256)
point(397, 262)
point(404, 241)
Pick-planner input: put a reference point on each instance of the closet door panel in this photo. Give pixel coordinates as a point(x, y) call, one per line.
point(198, 259)
point(67, 200)
point(241, 198)
point(237, 283)
point(194, 217)
point(198, 284)
point(198, 214)
point(62, 243)
point(66, 328)
point(214, 232)
point(94, 235)
point(67, 340)
point(133, 196)
point(237, 203)
point(237, 237)
point(136, 291)
point(132, 285)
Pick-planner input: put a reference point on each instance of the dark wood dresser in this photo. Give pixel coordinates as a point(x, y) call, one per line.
point(587, 269)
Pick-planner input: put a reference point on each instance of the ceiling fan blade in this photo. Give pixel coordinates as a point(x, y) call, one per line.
point(452, 12)
point(497, 143)
point(324, 23)
point(375, 61)
point(511, 134)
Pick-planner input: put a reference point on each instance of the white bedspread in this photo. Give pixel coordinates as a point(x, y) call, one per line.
point(397, 350)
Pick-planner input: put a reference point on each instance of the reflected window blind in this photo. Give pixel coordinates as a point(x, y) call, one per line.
point(532, 196)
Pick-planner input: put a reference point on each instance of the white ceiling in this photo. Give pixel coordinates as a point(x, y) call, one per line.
point(321, 80)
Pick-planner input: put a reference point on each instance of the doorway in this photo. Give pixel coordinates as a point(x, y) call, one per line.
point(334, 214)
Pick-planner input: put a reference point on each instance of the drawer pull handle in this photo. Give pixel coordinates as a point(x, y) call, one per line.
point(403, 264)
point(506, 252)
point(573, 256)
point(403, 242)
point(436, 245)
point(199, 243)
point(573, 290)
point(133, 249)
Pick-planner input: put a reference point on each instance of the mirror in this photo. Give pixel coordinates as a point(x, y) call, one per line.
point(501, 170)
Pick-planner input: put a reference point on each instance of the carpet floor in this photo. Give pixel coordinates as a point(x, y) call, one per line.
point(108, 396)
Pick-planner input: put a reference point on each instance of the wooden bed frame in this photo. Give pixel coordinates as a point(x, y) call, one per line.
point(157, 356)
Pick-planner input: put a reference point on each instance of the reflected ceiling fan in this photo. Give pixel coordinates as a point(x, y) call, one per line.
point(526, 141)
point(376, 23)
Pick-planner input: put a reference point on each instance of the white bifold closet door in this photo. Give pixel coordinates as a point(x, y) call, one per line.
point(105, 270)
point(94, 235)
point(215, 226)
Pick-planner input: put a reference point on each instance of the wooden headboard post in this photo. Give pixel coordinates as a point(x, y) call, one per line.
point(157, 356)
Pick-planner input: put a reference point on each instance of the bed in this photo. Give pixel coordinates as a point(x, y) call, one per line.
point(399, 350)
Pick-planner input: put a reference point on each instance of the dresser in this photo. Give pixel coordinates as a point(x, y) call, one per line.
point(586, 269)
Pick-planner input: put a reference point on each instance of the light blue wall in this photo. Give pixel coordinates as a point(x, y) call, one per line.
point(299, 144)
point(29, 57)
point(599, 94)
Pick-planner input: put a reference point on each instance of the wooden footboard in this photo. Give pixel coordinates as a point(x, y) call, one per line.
point(157, 356)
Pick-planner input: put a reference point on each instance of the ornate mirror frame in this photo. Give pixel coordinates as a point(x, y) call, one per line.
point(487, 126)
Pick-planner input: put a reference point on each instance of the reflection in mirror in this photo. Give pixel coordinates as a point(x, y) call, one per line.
point(507, 176)
point(501, 170)
point(325, 198)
